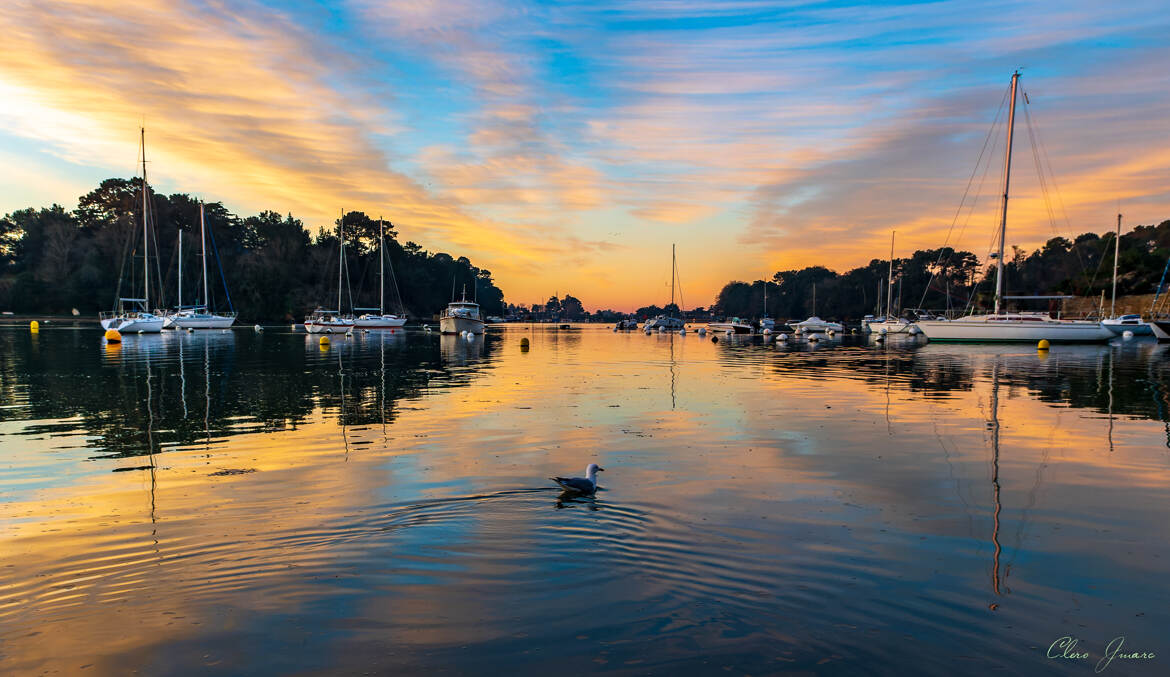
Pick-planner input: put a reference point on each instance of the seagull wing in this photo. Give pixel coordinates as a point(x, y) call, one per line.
point(578, 484)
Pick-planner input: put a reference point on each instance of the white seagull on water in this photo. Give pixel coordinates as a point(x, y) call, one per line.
point(581, 485)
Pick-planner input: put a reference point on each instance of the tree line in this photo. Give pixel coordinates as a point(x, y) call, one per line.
point(950, 280)
point(54, 260)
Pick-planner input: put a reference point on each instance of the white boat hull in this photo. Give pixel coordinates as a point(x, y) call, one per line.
point(379, 322)
point(134, 325)
point(729, 327)
point(200, 322)
point(450, 324)
point(889, 327)
point(1014, 331)
point(341, 327)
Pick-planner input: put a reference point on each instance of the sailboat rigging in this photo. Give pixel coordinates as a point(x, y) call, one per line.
point(133, 315)
point(199, 315)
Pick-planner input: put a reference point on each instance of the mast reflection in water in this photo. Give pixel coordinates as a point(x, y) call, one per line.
point(254, 503)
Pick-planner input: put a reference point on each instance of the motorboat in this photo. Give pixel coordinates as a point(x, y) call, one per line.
point(664, 322)
point(461, 316)
point(893, 325)
point(624, 325)
point(816, 325)
point(734, 325)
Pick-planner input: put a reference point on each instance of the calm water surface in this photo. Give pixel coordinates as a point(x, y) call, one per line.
point(248, 503)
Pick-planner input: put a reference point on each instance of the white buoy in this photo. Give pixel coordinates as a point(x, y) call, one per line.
point(813, 338)
point(258, 328)
point(915, 331)
point(1127, 334)
point(662, 329)
point(782, 337)
point(292, 327)
point(832, 332)
point(349, 334)
point(682, 332)
point(141, 332)
point(767, 331)
point(470, 336)
point(224, 331)
point(883, 331)
point(702, 331)
point(190, 330)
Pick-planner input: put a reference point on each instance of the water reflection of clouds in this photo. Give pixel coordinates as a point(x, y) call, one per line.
point(824, 488)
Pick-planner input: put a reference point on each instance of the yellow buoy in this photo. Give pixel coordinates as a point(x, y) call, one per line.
point(524, 343)
point(324, 341)
point(34, 326)
point(113, 336)
point(1043, 345)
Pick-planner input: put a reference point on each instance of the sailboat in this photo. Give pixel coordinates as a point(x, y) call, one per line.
point(323, 321)
point(888, 324)
point(1012, 327)
point(382, 320)
point(766, 322)
point(199, 315)
point(133, 315)
point(1123, 323)
point(667, 321)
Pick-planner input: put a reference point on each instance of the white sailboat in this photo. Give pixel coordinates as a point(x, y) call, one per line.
point(888, 324)
point(766, 322)
point(1123, 323)
point(381, 320)
point(133, 315)
point(1012, 327)
point(667, 321)
point(198, 316)
point(323, 321)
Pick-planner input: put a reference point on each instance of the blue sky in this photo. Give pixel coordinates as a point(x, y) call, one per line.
point(566, 145)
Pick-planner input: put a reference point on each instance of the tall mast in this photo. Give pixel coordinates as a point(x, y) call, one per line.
point(765, 298)
point(145, 245)
point(180, 303)
point(340, 256)
point(890, 283)
point(381, 268)
point(1007, 171)
point(203, 256)
point(672, 276)
point(1116, 249)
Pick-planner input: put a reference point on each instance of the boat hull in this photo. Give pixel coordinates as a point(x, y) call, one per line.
point(457, 325)
point(197, 322)
point(1142, 329)
point(136, 325)
point(889, 327)
point(1014, 332)
point(342, 327)
point(379, 322)
point(729, 326)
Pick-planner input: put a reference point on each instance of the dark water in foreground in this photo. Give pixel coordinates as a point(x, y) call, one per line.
point(248, 503)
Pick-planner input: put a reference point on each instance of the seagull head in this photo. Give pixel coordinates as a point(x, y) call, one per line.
point(592, 469)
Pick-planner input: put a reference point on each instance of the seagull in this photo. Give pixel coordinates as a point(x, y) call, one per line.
point(581, 485)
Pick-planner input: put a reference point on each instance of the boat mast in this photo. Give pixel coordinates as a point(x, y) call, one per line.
point(381, 269)
point(671, 314)
point(1116, 249)
point(203, 248)
point(340, 256)
point(180, 303)
point(890, 284)
point(1007, 171)
point(145, 245)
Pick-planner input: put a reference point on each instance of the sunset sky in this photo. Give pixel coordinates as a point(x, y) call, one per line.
point(565, 146)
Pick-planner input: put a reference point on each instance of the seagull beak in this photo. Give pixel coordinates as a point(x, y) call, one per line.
point(601, 470)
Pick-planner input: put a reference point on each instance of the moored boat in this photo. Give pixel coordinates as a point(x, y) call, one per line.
point(198, 316)
point(734, 325)
point(461, 316)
